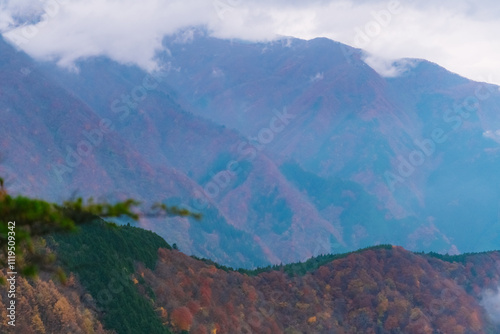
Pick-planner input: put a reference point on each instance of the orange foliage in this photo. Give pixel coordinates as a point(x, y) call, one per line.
point(398, 290)
point(476, 324)
point(391, 323)
point(182, 318)
point(206, 295)
point(311, 320)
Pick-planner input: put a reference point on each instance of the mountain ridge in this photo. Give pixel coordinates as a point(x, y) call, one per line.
point(348, 126)
point(382, 289)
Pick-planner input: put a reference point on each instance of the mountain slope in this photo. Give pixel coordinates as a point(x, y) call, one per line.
point(383, 289)
point(378, 290)
point(422, 146)
point(55, 144)
point(290, 149)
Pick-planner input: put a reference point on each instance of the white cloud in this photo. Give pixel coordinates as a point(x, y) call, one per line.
point(186, 36)
point(5, 20)
point(460, 35)
point(495, 135)
point(217, 73)
point(491, 302)
point(125, 30)
point(390, 68)
point(319, 76)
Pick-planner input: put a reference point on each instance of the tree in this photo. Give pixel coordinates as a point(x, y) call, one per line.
point(25, 221)
point(37, 324)
point(182, 318)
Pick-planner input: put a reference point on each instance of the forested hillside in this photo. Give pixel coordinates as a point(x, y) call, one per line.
point(46, 306)
point(377, 290)
point(130, 280)
point(289, 149)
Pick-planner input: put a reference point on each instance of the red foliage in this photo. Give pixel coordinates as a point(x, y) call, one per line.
point(200, 329)
point(182, 318)
point(392, 288)
point(193, 306)
point(206, 295)
point(391, 323)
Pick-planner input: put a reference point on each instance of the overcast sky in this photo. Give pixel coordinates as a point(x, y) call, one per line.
point(461, 35)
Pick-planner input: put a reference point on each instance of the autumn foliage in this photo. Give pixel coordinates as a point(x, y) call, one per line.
point(47, 307)
point(182, 318)
point(381, 290)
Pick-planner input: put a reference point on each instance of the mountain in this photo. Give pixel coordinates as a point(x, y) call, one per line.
point(45, 306)
point(129, 280)
point(384, 289)
point(290, 149)
point(56, 144)
point(422, 148)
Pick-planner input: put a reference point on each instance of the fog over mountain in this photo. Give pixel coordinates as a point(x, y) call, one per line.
point(289, 148)
point(324, 166)
point(459, 35)
point(491, 302)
